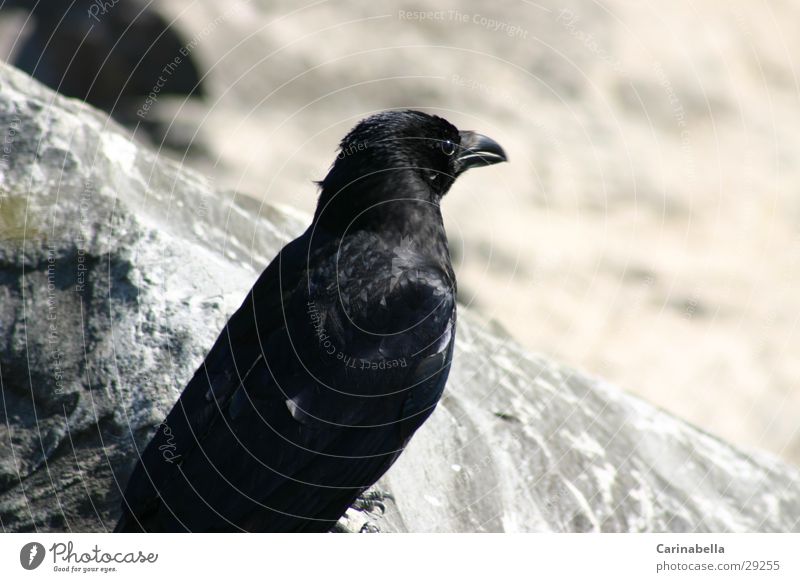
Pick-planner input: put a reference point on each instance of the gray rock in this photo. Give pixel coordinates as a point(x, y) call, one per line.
point(117, 270)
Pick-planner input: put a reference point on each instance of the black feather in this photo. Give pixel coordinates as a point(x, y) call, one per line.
point(337, 355)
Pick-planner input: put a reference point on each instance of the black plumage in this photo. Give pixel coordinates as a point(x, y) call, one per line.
point(338, 354)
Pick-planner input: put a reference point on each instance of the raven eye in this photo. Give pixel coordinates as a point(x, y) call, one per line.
point(432, 176)
point(448, 147)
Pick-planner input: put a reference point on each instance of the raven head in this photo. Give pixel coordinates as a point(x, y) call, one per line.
point(405, 153)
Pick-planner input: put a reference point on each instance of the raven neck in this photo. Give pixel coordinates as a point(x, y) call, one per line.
point(413, 218)
point(397, 201)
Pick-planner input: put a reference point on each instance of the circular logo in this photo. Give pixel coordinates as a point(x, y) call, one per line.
point(31, 555)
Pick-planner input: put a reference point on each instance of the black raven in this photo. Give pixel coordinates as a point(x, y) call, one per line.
point(340, 351)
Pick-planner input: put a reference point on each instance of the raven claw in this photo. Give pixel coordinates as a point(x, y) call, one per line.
point(370, 500)
point(369, 527)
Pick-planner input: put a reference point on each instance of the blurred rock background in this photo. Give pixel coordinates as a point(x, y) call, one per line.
point(647, 227)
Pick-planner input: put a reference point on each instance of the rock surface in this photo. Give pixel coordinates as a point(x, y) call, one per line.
point(118, 268)
point(650, 212)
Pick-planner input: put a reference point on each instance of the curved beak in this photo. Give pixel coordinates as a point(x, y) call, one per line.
point(478, 150)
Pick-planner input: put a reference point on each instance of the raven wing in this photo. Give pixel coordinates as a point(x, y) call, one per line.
point(198, 408)
point(277, 433)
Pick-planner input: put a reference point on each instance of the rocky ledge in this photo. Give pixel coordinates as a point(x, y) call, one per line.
point(117, 270)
